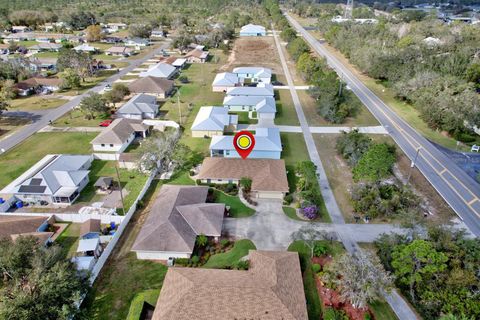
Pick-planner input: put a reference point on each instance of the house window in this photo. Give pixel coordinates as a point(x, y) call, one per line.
point(111, 144)
point(227, 152)
point(243, 107)
point(103, 144)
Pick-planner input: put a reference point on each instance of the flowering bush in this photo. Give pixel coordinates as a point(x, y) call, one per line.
point(310, 212)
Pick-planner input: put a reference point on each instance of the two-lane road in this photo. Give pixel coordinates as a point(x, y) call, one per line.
point(458, 189)
point(53, 114)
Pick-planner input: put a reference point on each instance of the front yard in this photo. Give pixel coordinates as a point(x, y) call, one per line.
point(35, 102)
point(20, 158)
point(76, 118)
point(237, 208)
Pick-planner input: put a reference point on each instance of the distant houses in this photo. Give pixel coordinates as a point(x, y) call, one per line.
point(141, 106)
point(56, 179)
point(86, 48)
point(267, 145)
point(55, 47)
point(252, 30)
point(119, 51)
point(159, 87)
point(197, 56)
point(213, 121)
point(37, 84)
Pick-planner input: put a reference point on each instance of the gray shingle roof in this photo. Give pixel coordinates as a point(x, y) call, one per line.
point(213, 119)
point(117, 132)
point(161, 70)
point(139, 104)
point(151, 85)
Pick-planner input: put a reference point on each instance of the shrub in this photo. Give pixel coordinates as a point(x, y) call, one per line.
point(352, 145)
point(183, 79)
point(246, 183)
point(224, 243)
point(310, 212)
point(376, 163)
point(195, 260)
point(319, 250)
point(242, 265)
point(316, 268)
point(288, 199)
point(181, 261)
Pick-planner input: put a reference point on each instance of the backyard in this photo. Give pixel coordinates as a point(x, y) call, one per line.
point(68, 239)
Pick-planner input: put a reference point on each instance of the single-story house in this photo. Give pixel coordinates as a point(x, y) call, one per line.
point(224, 81)
point(115, 26)
point(268, 145)
point(253, 74)
point(211, 121)
point(14, 226)
point(89, 247)
point(261, 90)
point(16, 29)
point(269, 177)
point(119, 51)
point(252, 30)
point(103, 185)
point(37, 84)
point(114, 139)
point(43, 64)
point(158, 33)
point(159, 87)
point(91, 228)
point(56, 179)
point(271, 288)
point(160, 70)
point(137, 43)
point(141, 106)
point(86, 48)
point(45, 47)
point(264, 106)
point(178, 215)
point(197, 56)
point(19, 36)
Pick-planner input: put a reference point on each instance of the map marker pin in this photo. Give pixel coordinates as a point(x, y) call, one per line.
point(244, 143)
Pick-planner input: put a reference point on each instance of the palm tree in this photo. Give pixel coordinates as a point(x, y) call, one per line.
point(202, 240)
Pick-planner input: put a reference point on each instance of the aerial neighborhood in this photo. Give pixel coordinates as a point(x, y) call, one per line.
point(239, 160)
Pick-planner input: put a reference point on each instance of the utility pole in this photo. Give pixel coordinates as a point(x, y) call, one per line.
point(120, 185)
point(412, 165)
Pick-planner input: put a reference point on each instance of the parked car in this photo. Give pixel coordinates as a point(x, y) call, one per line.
point(108, 87)
point(105, 123)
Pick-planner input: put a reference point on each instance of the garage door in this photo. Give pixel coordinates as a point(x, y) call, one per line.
point(270, 195)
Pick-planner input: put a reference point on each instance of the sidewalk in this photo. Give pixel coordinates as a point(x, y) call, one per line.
point(325, 129)
point(70, 129)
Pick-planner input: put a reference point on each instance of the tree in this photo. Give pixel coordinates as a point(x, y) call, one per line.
point(7, 93)
point(79, 20)
point(353, 145)
point(140, 30)
point(376, 163)
point(94, 33)
point(93, 104)
point(118, 92)
point(297, 47)
point(360, 279)
point(288, 34)
point(81, 62)
point(70, 78)
point(156, 151)
point(309, 235)
point(416, 262)
point(202, 240)
point(38, 282)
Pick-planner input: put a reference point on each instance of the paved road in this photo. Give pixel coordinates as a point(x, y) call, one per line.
point(458, 189)
point(348, 237)
point(40, 121)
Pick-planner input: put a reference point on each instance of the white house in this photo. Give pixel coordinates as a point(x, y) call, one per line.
point(261, 90)
point(160, 70)
point(264, 106)
point(211, 121)
point(252, 30)
point(55, 47)
point(137, 43)
point(225, 80)
point(117, 137)
point(141, 106)
point(253, 74)
point(267, 145)
point(85, 48)
point(56, 179)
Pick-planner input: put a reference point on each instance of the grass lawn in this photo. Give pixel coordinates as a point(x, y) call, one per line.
point(148, 296)
point(15, 161)
point(229, 258)
point(181, 178)
point(291, 213)
point(244, 119)
point(9, 124)
point(26, 43)
point(90, 82)
point(123, 276)
point(75, 118)
point(68, 240)
point(237, 208)
point(382, 311)
point(286, 114)
point(314, 307)
point(294, 148)
point(362, 118)
point(35, 103)
point(131, 180)
point(129, 77)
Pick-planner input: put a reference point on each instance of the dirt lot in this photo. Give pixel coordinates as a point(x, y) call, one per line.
point(340, 178)
point(250, 51)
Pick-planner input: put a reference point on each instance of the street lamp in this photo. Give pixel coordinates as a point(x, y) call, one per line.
point(412, 165)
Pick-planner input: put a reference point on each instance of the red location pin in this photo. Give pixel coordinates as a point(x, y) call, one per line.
point(244, 143)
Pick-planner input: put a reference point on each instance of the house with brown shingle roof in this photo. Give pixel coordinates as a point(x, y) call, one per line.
point(197, 56)
point(114, 139)
point(159, 87)
point(269, 177)
point(271, 289)
point(31, 85)
point(14, 226)
point(119, 51)
point(178, 215)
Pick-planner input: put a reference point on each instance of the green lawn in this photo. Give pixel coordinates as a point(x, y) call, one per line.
point(286, 113)
point(382, 311)
point(244, 119)
point(131, 180)
point(35, 103)
point(68, 240)
point(229, 258)
point(237, 208)
point(15, 161)
point(181, 178)
point(294, 148)
point(26, 43)
point(314, 307)
point(291, 213)
point(148, 296)
point(75, 118)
